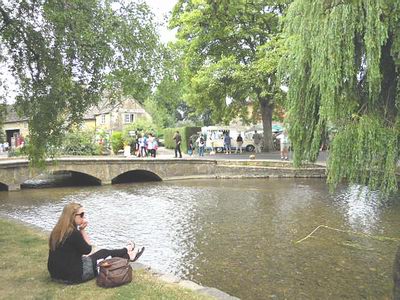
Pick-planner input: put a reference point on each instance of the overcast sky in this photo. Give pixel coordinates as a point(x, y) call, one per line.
point(161, 9)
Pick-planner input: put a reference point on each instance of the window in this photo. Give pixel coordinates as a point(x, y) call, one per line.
point(103, 119)
point(129, 118)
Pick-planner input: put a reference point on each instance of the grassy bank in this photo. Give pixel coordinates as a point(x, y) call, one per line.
point(23, 265)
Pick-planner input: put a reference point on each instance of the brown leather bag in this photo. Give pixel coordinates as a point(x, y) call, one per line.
point(114, 272)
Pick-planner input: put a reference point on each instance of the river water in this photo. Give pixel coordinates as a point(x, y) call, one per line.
point(239, 235)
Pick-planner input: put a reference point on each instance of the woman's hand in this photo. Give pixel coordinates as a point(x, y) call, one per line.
point(84, 224)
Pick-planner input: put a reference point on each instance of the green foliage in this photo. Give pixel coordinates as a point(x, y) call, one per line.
point(159, 113)
point(117, 141)
point(22, 151)
point(2, 135)
point(64, 54)
point(80, 143)
point(185, 132)
point(168, 137)
point(3, 109)
point(367, 148)
point(231, 54)
point(164, 103)
point(140, 126)
point(343, 69)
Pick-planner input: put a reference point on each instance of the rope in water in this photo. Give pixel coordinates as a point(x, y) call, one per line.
point(376, 237)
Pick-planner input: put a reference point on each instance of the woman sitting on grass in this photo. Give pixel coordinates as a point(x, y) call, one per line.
point(69, 260)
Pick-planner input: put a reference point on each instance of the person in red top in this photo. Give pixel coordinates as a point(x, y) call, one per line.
point(70, 252)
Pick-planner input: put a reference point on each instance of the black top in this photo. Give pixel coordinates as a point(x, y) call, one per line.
point(65, 263)
point(177, 138)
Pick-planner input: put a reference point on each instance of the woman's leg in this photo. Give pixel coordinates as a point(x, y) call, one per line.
point(103, 253)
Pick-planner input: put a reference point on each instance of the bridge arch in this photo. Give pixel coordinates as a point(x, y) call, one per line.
point(62, 178)
point(136, 176)
point(76, 178)
point(3, 187)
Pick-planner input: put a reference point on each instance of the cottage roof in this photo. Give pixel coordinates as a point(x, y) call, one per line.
point(12, 116)
point(103, 107)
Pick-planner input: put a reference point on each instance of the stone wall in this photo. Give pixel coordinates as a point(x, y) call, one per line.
point(265, 169)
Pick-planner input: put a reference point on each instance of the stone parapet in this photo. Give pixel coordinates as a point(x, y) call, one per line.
point(106, 170)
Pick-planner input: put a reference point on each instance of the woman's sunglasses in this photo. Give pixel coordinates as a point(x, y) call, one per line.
point(81, 214)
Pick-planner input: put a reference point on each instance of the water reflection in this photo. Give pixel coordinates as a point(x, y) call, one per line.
point(238, 235)
point(362, 207)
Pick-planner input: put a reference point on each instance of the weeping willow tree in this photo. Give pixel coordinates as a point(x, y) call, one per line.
point(342, 70)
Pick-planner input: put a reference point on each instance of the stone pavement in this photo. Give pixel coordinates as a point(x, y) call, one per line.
point(275, 155)
point(169, 153)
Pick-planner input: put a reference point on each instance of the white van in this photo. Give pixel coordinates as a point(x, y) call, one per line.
point(215, 138)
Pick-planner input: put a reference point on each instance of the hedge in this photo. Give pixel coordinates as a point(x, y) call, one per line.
point(186, 133)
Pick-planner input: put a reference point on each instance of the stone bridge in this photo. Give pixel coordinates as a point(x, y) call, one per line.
point(106, 170)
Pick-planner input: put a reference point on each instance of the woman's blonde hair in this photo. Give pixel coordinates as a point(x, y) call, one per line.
point(65, 225)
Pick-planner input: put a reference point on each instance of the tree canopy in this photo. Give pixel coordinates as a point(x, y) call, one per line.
point(166, 102)
point(65, 54)
point(231, 53)
point(343, 72)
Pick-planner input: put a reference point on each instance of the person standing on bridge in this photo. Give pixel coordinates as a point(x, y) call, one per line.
point(71, 257)
point(143, 145)
point(152, 145)
point(178, 140)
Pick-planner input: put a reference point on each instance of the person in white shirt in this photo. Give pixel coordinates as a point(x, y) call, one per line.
point(201, 142)
point(151, 145)
point(284, 140)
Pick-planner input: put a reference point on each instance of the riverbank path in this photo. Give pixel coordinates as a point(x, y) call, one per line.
point(169, 153)
point(274, 155)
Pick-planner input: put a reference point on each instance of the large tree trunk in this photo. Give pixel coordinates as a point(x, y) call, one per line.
point(389, 82)
point(266, 114)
